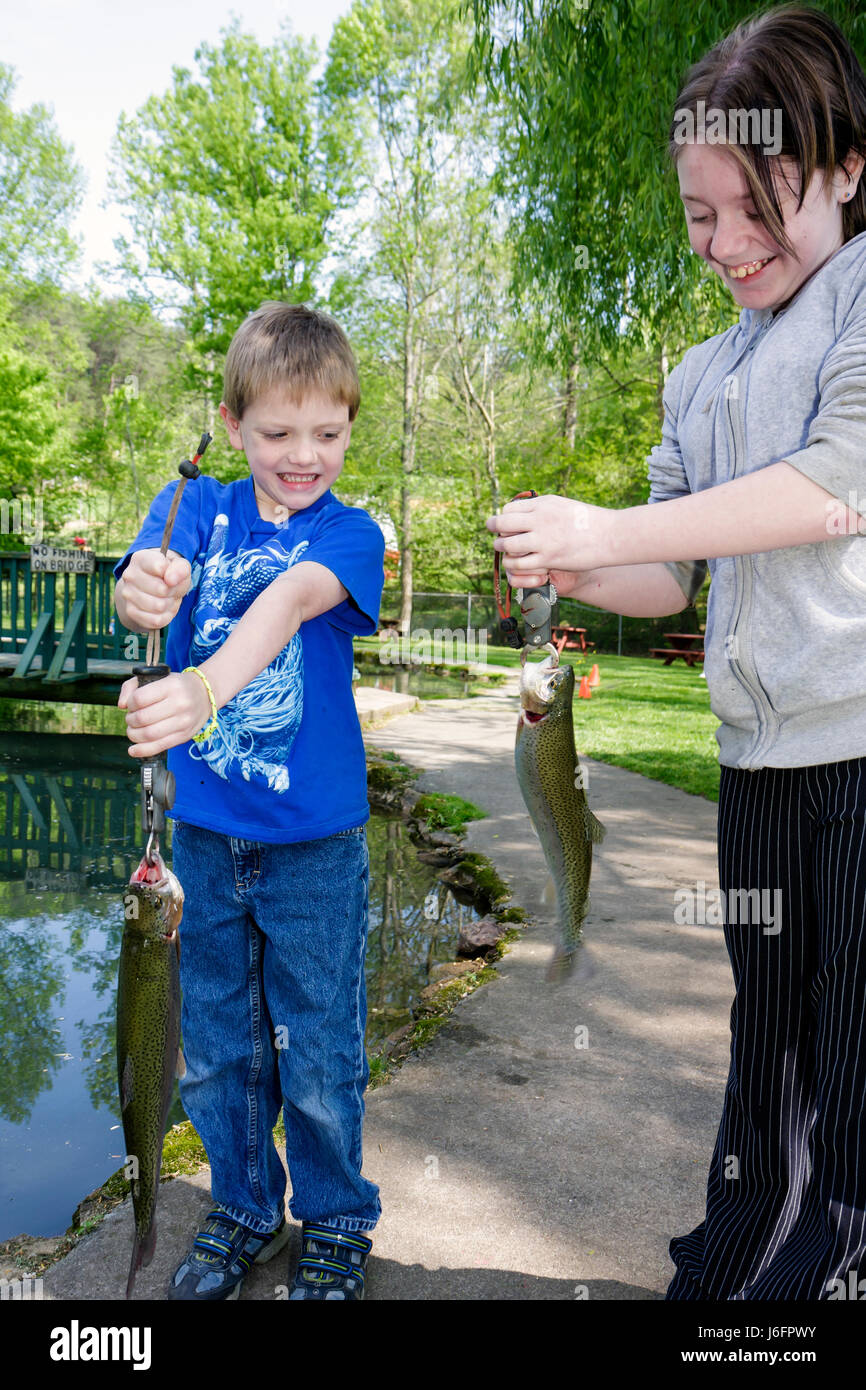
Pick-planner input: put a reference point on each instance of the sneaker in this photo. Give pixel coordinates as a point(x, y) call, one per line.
point(221, 1257)
point(331, 1265)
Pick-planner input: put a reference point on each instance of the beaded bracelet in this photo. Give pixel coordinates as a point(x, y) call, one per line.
point(209, 727)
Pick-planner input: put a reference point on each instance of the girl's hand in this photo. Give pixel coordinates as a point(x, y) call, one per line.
point(540, 535)
point(566, 582)
point(163, 713)
point(152, 588)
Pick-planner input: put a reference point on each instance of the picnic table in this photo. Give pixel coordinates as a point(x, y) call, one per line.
point(572, 639)
point(682, 644)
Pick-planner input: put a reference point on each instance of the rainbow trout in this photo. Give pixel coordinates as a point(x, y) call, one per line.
point(148, 1038)
point(551, 782)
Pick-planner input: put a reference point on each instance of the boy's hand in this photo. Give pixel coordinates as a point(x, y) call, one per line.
point(164, 713)
point(151, 589)
point(546, 536)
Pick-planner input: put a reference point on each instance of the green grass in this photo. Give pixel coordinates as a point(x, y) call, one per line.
point(653, 719)
point(645, 716)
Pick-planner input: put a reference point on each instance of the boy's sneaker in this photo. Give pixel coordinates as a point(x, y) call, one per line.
point(221, 1257)
point(332, 1264)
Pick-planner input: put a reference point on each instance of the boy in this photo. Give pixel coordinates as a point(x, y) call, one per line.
point(267, 580)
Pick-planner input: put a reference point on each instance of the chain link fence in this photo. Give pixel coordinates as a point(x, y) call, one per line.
point(611, 633)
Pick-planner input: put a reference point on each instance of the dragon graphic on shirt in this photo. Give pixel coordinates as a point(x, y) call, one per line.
point(256, 729)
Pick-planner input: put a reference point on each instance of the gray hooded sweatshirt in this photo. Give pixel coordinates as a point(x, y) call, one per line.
point(786, 629)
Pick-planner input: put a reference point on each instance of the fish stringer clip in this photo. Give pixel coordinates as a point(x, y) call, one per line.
point(536, 607)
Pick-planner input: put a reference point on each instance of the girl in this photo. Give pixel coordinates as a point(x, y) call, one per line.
point(762, 472)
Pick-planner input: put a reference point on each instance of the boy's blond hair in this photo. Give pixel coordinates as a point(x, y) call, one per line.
point(290, 346)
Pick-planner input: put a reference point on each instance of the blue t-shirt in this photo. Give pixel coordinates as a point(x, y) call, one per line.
point(287, 760)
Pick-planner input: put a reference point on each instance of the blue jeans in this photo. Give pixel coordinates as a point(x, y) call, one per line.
point(273, 941)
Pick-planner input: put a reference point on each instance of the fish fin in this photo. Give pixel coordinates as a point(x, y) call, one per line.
point(595, 831)
point(142, 1254)
point(548, 896)
point(177, 944)
point(127, 1089)
point(180, 1069)
point(561, 965)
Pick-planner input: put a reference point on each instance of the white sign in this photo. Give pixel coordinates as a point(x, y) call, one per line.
point(50, 559)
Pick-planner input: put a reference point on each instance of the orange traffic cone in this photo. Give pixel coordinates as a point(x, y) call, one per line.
point(584, 693)
point(594, 677)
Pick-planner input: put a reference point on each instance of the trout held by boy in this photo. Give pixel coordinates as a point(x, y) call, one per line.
point(550, 780)
point(148, 1038)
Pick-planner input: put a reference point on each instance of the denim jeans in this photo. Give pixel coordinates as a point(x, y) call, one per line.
point(273, 941)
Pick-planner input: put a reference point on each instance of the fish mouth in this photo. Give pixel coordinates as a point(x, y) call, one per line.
point(155, 881)
point(539, 688)
point(150, 873)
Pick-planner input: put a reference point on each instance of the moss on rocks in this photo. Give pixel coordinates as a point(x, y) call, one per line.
point(438, 811)
point(476, 876)
point(512, 914)
point(388, 779)
point(506, 939)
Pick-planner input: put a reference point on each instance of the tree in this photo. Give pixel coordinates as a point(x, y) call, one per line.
point(41, 187)
point(28, 427)
point(393, 76)
point(95, 413)
point(589, 89)
point(226, 189)
point(139, 421)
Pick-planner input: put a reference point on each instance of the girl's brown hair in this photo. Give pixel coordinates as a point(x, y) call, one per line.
point(290, 346)
point(794, 59)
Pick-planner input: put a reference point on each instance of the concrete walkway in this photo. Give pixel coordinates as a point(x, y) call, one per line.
point(512, 1163)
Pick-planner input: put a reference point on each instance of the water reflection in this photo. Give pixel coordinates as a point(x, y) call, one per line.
point(414, 922)
point(439, 684)
point(39, 716)
point(70, 837)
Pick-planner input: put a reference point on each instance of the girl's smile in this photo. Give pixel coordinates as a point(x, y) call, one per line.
point(726, 230)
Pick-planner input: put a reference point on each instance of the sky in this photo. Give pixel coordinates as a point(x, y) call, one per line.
point(89, 60)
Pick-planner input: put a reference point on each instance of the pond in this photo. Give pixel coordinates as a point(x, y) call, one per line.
point(71, 836)
point(439, 683)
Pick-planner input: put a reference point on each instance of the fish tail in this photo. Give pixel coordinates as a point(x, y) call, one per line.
point(142, 1254)
point(561, 964)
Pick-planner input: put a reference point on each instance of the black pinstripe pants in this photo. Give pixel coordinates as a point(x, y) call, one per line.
point(786, 1194)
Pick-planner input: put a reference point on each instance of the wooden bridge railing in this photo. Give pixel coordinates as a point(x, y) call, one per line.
point(58, 616)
